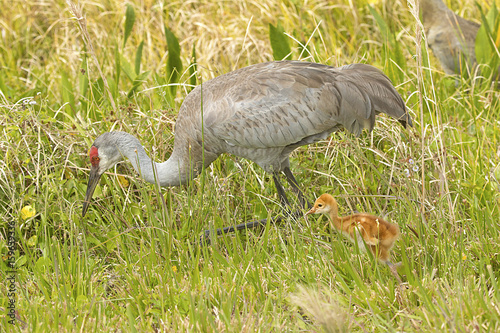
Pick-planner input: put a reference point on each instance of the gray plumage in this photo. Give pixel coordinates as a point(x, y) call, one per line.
point(262, 113)
point(451, 37)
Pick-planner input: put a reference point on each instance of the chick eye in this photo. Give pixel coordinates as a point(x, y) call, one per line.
point(320, 205)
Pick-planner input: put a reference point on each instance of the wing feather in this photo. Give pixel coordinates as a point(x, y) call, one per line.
point(279, 104)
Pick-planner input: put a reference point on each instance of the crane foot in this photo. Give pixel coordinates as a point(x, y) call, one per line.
point(205, 239)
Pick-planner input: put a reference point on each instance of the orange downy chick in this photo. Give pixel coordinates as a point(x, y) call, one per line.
point(378, 234)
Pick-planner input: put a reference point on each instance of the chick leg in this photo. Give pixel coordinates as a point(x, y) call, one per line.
point(394, 270)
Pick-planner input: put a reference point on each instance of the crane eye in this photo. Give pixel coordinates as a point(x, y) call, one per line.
point(94, 160)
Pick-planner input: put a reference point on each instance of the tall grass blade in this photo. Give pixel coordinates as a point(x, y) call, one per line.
point(131, 319)
point(393, 54)
point(67, 94)
point(383, 27)
point(117, 67)
point(129, 23)
point(83, 83)
point(138, 58)
point(4, 90)
point(279, 43)
point(486, 48)
point(139, 79)
point(193, 69)
point(174, 63)
point(126, 67)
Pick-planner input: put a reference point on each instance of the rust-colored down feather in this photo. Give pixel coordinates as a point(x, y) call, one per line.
point(378, 234)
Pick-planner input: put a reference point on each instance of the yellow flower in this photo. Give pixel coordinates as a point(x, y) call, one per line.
point(174, 269)
point(27, 212)
point(123, 181)
point(67, 173)
point(464, 256)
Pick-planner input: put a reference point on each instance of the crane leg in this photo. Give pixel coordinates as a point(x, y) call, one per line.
point(295, 186)
point(206, 238)
point(281, 191)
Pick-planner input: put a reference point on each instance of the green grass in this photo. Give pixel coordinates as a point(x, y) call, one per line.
point(133, 263)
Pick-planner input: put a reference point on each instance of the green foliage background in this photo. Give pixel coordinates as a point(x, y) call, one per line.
point(133, 263)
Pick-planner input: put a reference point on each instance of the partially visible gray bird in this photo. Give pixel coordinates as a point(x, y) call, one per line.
point(262, 113)
point(451, 37)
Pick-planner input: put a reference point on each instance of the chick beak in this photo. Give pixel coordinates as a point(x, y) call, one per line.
point(312, 211)
point(93, 181)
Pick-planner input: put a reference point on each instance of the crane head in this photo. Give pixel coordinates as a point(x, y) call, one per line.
point(94, 177)
point(103, 156)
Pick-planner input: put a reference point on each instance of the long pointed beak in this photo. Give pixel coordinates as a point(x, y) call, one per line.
point(93, 181)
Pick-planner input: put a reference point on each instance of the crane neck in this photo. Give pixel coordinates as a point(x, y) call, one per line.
point(168, 173)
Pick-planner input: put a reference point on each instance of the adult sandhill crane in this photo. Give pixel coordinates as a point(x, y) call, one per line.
point(451, 37)
point(262, 113)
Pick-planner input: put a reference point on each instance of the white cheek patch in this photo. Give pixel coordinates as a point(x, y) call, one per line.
point(323, 210)
point(103, 163)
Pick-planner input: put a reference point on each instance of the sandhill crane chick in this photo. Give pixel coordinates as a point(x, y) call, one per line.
point(378, 234)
